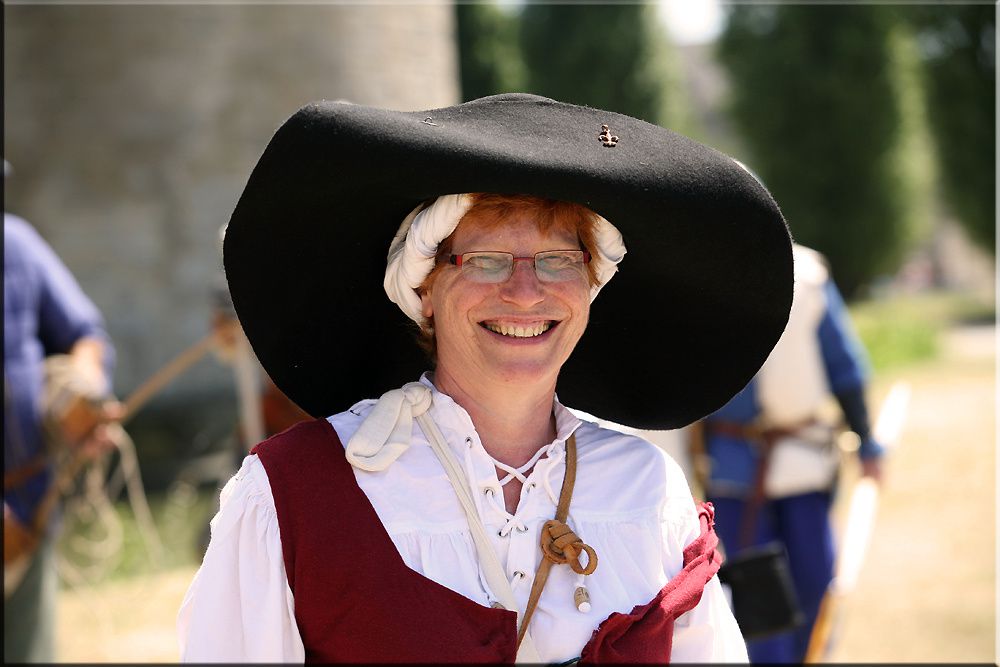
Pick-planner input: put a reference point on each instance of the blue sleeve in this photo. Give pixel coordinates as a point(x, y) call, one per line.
point(847, 369)
point(843, 353)
point(65, 313)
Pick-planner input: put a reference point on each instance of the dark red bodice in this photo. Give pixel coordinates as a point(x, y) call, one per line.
point(357, 601)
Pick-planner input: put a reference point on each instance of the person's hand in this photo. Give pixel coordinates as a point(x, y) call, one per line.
point(872, 467)
point(104, 436)
point(92, 429)
point(227, 332)
point(87, 361)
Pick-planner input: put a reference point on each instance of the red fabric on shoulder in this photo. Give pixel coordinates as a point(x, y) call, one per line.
point(645, 635)
point(355, 599)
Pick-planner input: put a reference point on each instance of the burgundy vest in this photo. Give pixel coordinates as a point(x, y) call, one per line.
point(357, 601)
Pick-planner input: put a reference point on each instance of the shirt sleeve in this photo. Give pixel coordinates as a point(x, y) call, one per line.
point(65, 313)
point(709, 632)
point(239, 608)
point(844, 354)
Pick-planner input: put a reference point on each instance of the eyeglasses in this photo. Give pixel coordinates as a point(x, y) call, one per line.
point(551, 266)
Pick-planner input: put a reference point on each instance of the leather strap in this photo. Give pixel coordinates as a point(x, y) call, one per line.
point(765, 439)
point(753, 431)
point(15, 478)
point(559, 543)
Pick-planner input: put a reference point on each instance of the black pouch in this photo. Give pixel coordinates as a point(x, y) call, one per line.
point(764, 601)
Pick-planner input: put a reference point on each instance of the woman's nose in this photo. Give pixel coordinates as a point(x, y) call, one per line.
point(523, 286)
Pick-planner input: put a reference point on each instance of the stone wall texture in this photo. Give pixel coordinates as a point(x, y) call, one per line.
point(132, 129)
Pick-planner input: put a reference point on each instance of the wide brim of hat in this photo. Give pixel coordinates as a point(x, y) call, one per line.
point(700, 299)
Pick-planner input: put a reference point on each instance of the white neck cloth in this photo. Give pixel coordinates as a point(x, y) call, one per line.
point(413, 249)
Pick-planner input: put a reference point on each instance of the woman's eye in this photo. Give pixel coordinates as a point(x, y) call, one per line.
point(553, 262)
point(486, 263)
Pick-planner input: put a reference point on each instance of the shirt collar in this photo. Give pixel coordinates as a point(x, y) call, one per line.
point(450, 415)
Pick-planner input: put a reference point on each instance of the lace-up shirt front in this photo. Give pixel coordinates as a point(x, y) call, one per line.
point(631, 503)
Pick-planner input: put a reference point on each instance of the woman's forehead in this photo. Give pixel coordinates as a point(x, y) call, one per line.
point(523, 228)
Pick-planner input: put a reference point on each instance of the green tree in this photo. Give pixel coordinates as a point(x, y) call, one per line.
point(488, 50)
point(613, 56)
point(815, 96)
point(957, 46)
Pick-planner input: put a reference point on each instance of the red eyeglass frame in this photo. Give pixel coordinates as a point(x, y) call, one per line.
point(457, 259)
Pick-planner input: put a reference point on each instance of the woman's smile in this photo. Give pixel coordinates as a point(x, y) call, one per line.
point(518, 329)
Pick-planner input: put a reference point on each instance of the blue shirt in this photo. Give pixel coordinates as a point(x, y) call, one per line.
point(44, 312)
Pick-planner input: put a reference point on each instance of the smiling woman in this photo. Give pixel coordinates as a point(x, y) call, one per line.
point(470, 515)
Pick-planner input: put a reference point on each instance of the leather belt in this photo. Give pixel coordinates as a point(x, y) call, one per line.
point(15, 478)
point(764, 438)
point(754, 432)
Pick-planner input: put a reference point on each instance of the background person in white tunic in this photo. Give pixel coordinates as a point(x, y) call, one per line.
point(502, 289)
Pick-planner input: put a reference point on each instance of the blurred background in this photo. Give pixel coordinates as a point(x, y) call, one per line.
point(132, 129)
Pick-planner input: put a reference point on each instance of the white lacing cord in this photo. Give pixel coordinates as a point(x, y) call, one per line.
point(513, 522)
point(518, 472)
point(555, 455)
point(581, 596)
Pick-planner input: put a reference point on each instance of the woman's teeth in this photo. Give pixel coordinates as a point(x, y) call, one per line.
point(519, 331)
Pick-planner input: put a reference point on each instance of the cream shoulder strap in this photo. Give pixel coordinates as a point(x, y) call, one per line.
point(495, 576)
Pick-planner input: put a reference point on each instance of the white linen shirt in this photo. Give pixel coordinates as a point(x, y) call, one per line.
point(630, 503)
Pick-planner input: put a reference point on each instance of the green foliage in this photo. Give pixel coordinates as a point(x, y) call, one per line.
point(913, 156)
point(957, 45)
point(893, 337)
point(489, 53)
point(606, 56)
point(816, 98)
point(99, 544)
point(906, 330)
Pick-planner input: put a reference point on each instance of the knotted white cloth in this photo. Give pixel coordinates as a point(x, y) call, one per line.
point(387, 430)
point(415, 245)
point(412, 251)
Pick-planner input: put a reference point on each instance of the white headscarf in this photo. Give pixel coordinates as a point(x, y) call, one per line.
point(413, 249)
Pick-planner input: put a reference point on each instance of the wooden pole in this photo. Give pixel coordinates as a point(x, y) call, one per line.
point(859, 524)
point(860, 519)
point(247, 376)
point(166, 374)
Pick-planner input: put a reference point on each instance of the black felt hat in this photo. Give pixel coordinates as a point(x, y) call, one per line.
point(696, 306)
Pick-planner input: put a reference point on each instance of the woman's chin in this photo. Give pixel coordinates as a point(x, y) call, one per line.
point(525, 373)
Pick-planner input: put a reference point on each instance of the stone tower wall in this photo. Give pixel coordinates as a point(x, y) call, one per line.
point(132, 130)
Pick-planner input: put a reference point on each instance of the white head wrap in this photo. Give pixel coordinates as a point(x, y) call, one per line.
point(413, 249)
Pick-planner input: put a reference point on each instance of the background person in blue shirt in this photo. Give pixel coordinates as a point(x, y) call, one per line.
point(819, 355)
point(45, 313)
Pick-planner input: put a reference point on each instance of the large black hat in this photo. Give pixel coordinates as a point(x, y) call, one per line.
point(696, 306)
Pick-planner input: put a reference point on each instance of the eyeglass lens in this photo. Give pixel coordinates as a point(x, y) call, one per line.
point(550, 265)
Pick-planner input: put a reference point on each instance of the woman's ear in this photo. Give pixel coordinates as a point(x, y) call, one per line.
point(426, 308)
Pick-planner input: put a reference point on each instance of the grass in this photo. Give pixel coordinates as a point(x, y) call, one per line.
point(906, 330)
point(100, 544)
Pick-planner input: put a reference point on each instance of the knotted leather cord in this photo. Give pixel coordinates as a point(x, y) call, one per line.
point(559, 543)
